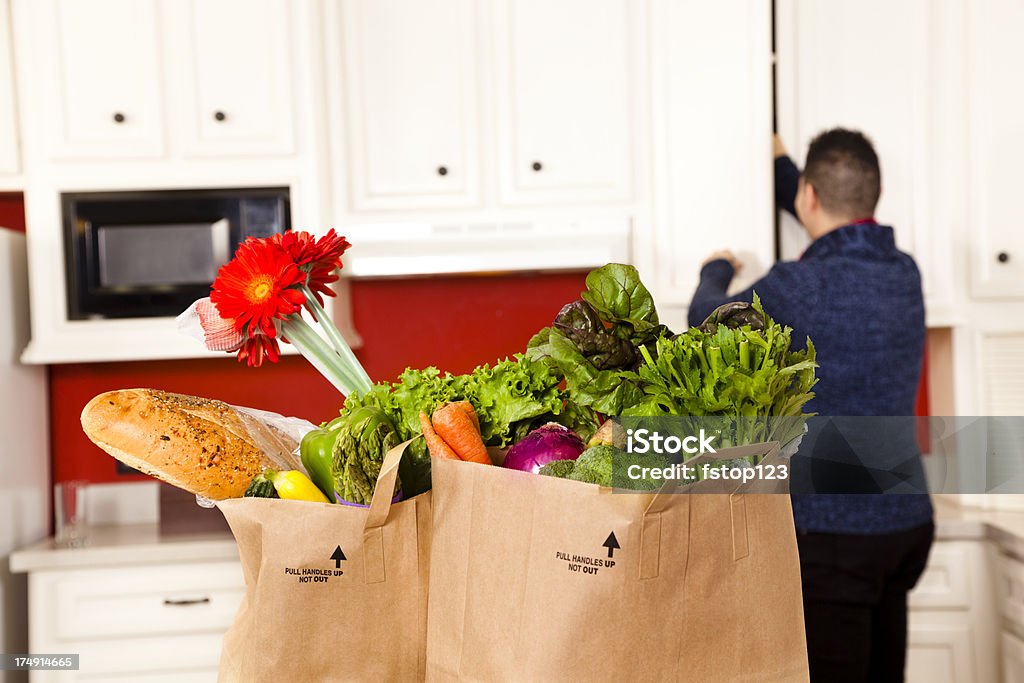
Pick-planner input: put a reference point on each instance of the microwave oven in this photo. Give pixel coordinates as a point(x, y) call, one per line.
point(152, 253)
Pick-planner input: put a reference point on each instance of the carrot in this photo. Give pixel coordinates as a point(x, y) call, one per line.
point(468, 408)
point(435, 444)
point(455, 426)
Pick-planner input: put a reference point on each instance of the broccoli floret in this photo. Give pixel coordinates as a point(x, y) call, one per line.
point(594, 466)
point(624, 460)
point(608, 466)
point(558, 468)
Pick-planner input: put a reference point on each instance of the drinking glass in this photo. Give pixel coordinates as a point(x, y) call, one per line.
point(69, 513)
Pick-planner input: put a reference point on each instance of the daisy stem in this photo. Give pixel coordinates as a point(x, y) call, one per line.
point(319, 354)
point(339, 343)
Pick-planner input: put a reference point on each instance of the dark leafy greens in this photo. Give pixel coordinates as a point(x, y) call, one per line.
point(619, 297)
point(595, 343)
point(735, 314)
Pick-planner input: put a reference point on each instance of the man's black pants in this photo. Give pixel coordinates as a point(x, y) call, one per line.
point(855, 601)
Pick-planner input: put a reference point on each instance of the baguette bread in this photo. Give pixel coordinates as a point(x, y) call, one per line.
point(200, 445)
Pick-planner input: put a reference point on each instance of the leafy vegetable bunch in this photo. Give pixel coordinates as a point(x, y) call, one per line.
point(595, 343)
point(618, 359)
point(510, 398)
point(737, 364)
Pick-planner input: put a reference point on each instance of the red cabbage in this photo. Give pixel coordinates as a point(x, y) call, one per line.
point(543, 445)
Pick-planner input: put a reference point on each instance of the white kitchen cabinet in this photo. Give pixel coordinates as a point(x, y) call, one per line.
point(897, 94)
point(411, 102)
point(1013, 658)
point(952, 621)
point(140, 623)
point(136, 80)
point(10, 157)
point(168, 67)
point(939, 653)
point(100, 71)
point(711, 104)
point(881, 92)
point(234, 89)
point(564, 99)
point(1011, 592)
point(996, 145)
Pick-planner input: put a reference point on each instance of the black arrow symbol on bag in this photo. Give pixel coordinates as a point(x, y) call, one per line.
point(612, 544)
point(338, 556)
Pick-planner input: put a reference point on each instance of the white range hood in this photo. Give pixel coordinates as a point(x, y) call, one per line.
point(389, 249)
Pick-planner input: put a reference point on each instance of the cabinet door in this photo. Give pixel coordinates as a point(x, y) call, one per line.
point(234, 85)
point(564, 99)
point(938, 651)
point(712, 102)
point(882, 91)
point(412, 99)
point(1013, 658)
point(9, 156)
point(100, 65)
point(996, 146)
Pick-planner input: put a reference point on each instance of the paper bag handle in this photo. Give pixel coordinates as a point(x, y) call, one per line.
point(650, 530)
point(380, 508)
point(384, 490)
point(672, 487)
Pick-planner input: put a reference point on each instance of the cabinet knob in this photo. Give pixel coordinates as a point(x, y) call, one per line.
point(442, 170)
point(118, 117)
point(1003, 257)
point(536, 166)
point(220, 116)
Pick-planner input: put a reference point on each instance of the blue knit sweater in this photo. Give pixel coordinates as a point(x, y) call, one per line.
point(859, 299)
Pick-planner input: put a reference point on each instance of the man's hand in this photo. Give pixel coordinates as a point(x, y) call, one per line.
point(726, 255)
point(778, 149)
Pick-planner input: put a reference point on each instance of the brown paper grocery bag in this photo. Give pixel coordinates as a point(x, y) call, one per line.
point(541, 579)
point(333, 593)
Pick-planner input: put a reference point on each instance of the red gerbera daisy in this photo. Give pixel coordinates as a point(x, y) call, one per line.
point(320, 258)
point(256, 348)
point(257, 287)
point(301, 246)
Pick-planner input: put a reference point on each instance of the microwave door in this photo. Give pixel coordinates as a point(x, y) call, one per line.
point(161, 256)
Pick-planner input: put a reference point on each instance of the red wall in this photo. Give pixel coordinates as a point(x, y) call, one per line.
point(12, 211)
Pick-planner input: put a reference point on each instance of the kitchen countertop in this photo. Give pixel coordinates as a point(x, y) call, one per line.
point(126, 545)
point(1003, 527)
point(142, 543)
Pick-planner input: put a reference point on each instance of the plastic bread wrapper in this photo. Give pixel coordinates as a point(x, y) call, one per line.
point(277, 436)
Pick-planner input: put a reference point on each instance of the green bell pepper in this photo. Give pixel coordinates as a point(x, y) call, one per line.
point(317, 454)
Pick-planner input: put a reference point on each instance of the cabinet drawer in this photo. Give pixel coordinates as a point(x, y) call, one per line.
point(946, 581)
point(160, 659)
point(138, 602)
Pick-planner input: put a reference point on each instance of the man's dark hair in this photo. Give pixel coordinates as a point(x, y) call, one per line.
point(842, 167)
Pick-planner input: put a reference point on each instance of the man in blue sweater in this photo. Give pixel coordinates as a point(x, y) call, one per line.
point(859, 299)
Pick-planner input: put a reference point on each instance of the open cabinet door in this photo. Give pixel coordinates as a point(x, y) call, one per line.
point(711, 95)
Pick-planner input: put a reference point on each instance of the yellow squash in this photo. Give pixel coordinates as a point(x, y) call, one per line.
point(294, 485)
